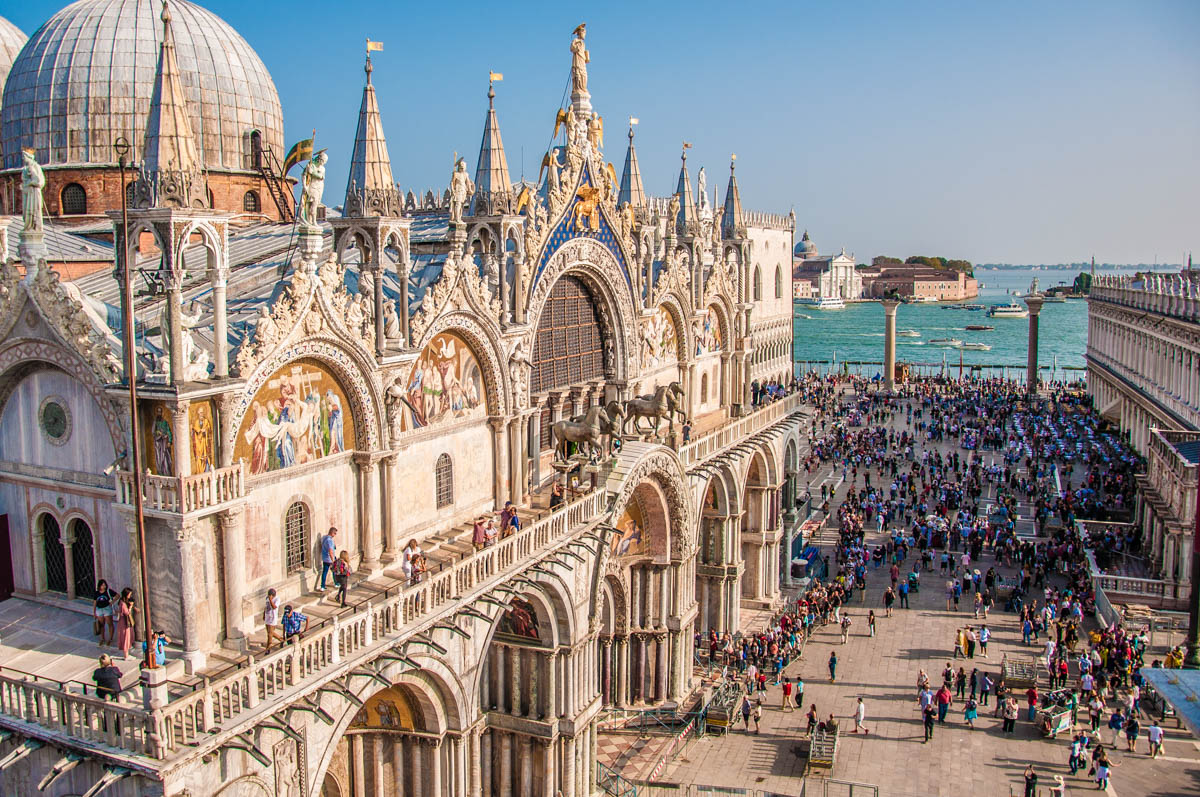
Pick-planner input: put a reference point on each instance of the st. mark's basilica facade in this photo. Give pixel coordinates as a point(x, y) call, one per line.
point(395, 369)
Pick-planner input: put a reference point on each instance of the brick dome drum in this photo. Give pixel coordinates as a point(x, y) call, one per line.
point(86, 77)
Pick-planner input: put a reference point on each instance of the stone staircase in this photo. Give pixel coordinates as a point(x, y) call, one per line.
point(442, 549)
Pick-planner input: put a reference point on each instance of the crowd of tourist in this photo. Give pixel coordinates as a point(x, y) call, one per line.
point(931, 487)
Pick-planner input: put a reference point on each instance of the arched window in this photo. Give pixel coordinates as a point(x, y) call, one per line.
point(250, 202)
point(443, 480)
point(54, 554)
point(757, 284)
point(83, 559)
point(296, 525)
point(129, 193)
point(569, 347)
point(703, 388)
point(74, 200)
point(778, 282)
point(256, 149)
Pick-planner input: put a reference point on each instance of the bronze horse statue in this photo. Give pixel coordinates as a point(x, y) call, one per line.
point(667, 402)
point(596, 426)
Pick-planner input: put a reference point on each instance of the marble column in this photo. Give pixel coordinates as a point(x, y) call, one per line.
point(358, 769)
point(515, 669)
point(220, 326)
point(416, 764)
point(568, 778)
point(388, 507)
point(435, 767)
point(225, 432)
point(889, 344)
point(377, 776)
point(189, 574)
point(483, 786)
point(547, 755)
point(398, 766)
point(506, 775)
point(526, 760)
point(370, 538)
point(175, 343)
point(182, 442)
point(496, 424)
point(232, 523)
point(1034, 303)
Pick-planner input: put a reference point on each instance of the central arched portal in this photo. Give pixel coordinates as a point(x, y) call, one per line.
point(571, 359)
point(646, 610)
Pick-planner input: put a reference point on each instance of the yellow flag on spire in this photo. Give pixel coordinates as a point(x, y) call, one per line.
point(495, 77)
point(373, 47)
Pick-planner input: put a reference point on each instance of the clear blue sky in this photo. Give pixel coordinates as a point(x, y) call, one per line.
point(994, 131)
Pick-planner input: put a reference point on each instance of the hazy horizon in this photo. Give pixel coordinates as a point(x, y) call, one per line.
point(1019, 132)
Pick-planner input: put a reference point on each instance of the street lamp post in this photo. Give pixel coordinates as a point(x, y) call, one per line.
point(121, 147)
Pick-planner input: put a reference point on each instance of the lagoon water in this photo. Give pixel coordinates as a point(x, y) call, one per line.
point(855, 334)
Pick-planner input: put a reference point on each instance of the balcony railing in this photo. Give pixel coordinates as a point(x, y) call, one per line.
point(185, 495)
point(714, 442)
point(298, 667)
point(118, 725)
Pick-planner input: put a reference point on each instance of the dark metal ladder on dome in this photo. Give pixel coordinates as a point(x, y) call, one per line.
point(269, 167)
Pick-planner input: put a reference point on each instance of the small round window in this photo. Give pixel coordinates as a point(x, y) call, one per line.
point(55, 420)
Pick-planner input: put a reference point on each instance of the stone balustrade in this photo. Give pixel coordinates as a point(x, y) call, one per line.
point(116, 725)
point(712, 443)
point(323, 654)
point(342, 644)
point(1172, 295)
point(200, 493)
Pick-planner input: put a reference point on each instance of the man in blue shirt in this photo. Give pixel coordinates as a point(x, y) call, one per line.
point(161, 640)
point(294, 623)
point(328, 554)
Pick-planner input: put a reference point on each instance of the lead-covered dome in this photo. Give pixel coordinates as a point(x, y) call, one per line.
point(87, 75)
point(11, 42)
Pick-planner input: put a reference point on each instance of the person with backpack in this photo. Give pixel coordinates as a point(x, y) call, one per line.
point(341, 575)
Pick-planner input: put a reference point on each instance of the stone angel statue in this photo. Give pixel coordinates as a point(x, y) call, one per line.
point(312, 186)
point(33, 181)
point(461, 189)
point(579, 60)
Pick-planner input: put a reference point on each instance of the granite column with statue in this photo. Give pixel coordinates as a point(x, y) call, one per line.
point(1034, 303)
point(889, 344)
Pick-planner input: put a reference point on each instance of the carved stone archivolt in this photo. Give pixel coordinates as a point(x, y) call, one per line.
point(596, 265)
point(309, 305)
point(663, 466)
point(459, 287)
point(675, 278)
point(21, 352)
point(484, 341)
point(62, 308)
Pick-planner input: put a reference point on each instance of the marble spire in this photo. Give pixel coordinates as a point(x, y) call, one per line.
point(732, 221)
point(492, 184)
point(370, 165)
point(687, 206)
point(169, 148)
point(631, 179)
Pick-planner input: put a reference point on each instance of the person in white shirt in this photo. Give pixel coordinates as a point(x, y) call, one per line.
point(860, 714)
point(1087, 682)
point(1155, 735)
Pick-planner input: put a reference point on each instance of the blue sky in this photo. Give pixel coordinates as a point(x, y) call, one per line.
point(998, 132)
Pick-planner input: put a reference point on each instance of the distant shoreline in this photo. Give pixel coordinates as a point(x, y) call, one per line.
point(1080, 266)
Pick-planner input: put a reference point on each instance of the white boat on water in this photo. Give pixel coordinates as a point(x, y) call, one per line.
point(828, 303)
point(908, 333)
point(952, 343)
point(976, 347)
point(1010, 310)
point(1054, 298)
